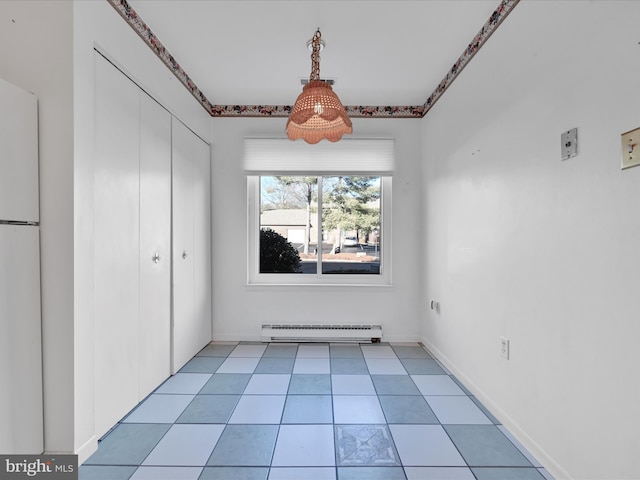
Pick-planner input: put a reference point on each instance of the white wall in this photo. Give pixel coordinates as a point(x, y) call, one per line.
point(542, 251)
point(36, 54)
point(239, 310)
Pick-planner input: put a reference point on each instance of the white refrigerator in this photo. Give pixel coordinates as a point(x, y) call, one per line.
point(21, 400)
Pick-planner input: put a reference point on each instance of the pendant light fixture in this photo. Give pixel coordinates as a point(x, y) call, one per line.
point(318, 112)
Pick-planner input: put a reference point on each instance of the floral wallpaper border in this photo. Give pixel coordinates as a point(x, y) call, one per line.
point(490, 26)
point(285, 111)
point(417, 111)
point(144, 32)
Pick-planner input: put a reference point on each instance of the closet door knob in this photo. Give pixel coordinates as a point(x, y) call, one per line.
point(156, 258)
point(184, 255)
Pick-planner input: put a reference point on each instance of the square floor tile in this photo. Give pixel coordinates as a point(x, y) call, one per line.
point(304, 445)
point(436, 385)
point(439, 473)
point(275, 365)
point(485, 446)
point(258, 409)
point(226, 383)
point(340, 350)
point(349, 366)
point(167, 473)
point(158, 408)
point(372, 351)
point(310, 384)
point(128, 444)
point(238, 365)
point(407, 409)
point(245, 445)
point(365, 445)
point(306, 473)
point(313, 351)
point(456, 410)
point(352, 385)
point(234, 473)
point(217, 350)
point(314, 409)
point(421, 366)
point(425, 445)
point(242, 350)
point(268, 384)
point(188, 445)
point(507, 474)
point(363, 409)
point(394, 385)
point(202, 365)
point(209, 409)
point(184, 383)
point(405, 351)
point(105, 472)
point(385, 366)
point(283, 350)
point(312, 365)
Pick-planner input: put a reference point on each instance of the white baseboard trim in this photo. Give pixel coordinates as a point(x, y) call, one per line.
point(87, 449)
point(257, 338)
point(512, 426)
point(84, 451)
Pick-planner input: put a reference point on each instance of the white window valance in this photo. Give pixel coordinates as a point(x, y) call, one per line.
point(279, 156)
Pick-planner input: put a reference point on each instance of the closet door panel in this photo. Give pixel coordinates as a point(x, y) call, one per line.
point(116, 233)
point(155, 244)
point(202, 237)
point(184, 321)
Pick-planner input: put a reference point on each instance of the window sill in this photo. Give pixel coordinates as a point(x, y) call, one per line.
point(306, 286)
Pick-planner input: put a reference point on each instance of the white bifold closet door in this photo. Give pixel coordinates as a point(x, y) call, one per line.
point(132, 215)
point(155, 244)
point(191, 228)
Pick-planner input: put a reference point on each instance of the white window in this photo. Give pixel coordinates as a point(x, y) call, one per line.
point(319, 214)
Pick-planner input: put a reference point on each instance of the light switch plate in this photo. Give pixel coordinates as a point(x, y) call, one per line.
point(569, 143)
point(630, 148)
point(504, 347)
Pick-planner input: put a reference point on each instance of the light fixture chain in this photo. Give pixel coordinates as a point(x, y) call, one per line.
point(315, 56)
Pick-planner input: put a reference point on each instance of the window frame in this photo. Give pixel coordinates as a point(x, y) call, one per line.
point(254, 277)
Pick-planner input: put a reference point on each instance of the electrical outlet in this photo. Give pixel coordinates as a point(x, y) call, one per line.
point(504, 347)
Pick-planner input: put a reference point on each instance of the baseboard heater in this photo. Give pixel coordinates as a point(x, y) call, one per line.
point(322, 333)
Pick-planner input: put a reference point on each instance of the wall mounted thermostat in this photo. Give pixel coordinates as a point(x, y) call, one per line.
point(569, 143)
point(631, 148)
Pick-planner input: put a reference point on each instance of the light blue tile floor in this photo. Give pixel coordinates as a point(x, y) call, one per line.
point(251, 411)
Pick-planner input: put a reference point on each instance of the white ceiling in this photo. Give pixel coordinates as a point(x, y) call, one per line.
point(242, 52)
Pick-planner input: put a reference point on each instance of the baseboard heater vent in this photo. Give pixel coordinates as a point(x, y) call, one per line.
point(322, 333)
